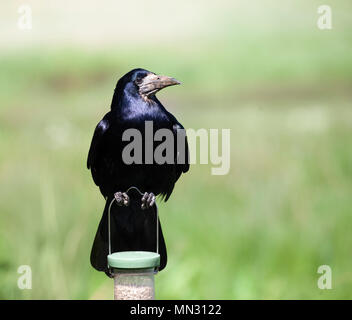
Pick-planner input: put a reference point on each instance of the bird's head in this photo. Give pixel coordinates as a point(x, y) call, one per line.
point(143, 83)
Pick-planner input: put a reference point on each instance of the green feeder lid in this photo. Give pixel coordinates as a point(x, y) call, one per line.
point(134, 260)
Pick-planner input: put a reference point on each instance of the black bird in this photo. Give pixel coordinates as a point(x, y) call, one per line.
point(133, 227)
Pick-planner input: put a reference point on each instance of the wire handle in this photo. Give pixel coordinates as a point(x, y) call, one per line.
point(157, 220)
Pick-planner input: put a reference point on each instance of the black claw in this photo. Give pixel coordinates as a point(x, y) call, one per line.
point(122, 199)
point(151, 199)
point(148, 200)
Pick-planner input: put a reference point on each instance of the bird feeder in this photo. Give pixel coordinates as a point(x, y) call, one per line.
point(134, 274)
point(134, 271)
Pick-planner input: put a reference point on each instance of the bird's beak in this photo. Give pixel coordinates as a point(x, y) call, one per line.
point(152, 83)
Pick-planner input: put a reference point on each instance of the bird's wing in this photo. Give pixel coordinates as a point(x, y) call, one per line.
point(181, 156)
point(95, 147)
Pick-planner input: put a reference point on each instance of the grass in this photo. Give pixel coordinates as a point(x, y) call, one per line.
point(261, 231)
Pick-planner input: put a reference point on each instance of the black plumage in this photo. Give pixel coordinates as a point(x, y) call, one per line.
point(132, 228)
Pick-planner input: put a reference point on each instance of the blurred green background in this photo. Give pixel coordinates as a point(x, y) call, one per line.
point(263, 69)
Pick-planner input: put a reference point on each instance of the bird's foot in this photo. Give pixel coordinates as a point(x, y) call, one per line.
point(148, 200)
point(122, 199)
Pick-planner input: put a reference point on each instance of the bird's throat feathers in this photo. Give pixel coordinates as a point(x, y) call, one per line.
point(129, 104)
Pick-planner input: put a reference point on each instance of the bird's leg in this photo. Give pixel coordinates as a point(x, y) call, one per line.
point(122, 198)
point(148, 200)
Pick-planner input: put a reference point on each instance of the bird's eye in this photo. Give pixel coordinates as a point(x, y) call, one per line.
point(138, 80)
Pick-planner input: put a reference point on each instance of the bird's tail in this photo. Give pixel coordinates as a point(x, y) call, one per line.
point(132, 229)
